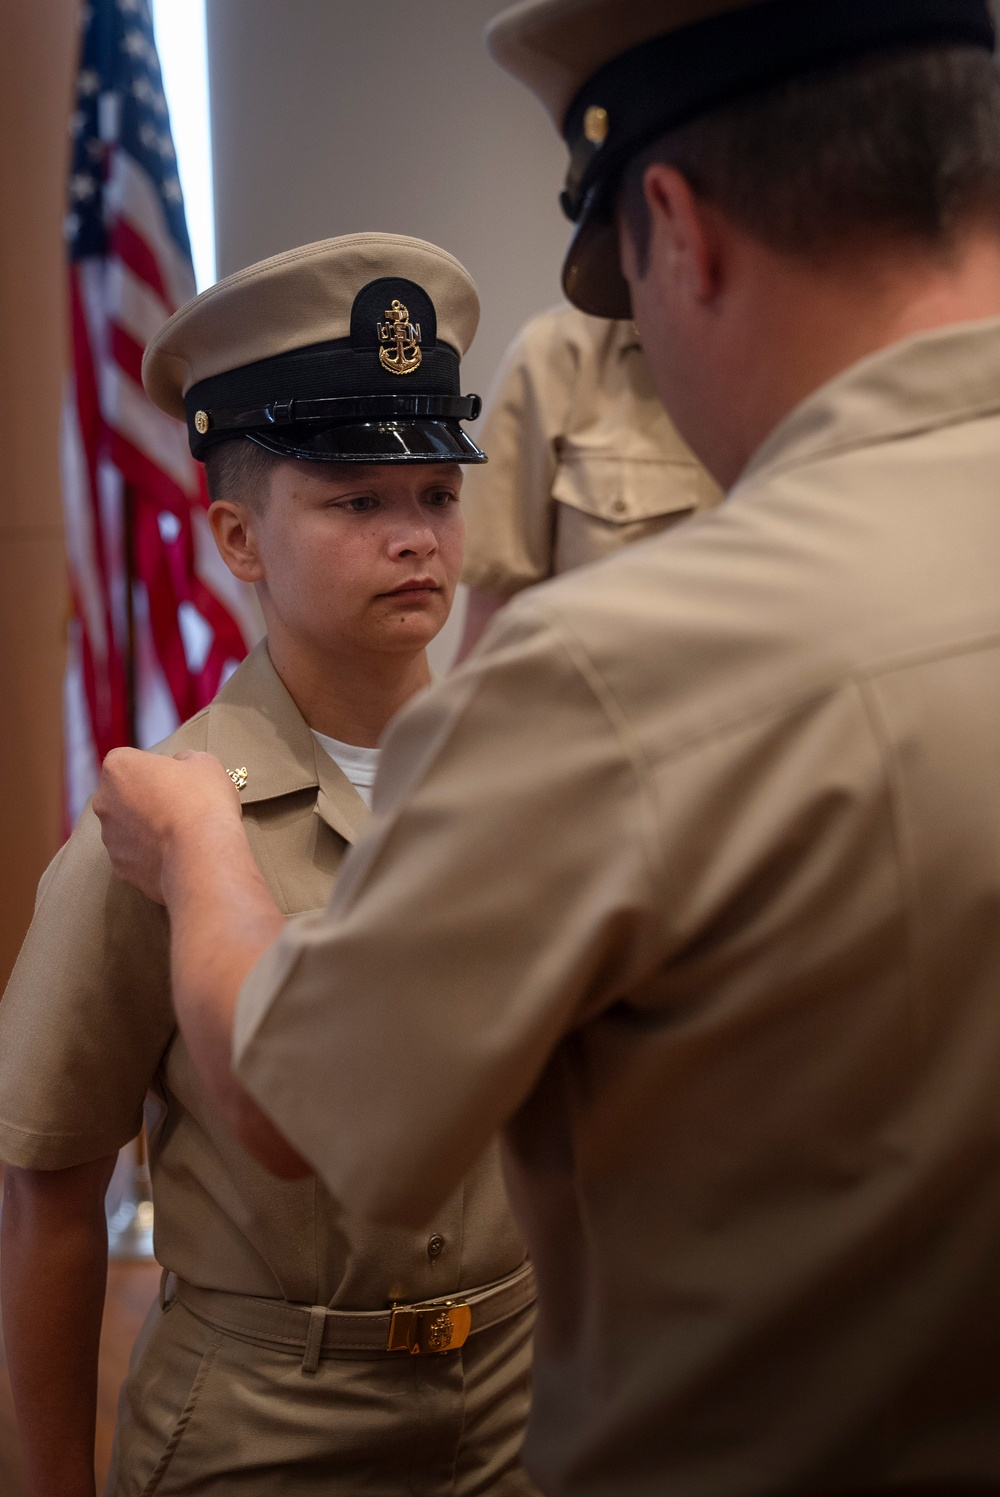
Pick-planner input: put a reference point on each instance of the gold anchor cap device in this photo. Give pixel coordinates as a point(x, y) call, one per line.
point(348, 350)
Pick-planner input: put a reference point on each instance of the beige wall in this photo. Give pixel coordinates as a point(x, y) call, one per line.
point(37, 59)
point(331, 116)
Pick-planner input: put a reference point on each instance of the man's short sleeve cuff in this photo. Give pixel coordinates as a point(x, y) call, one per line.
point(22, 1148)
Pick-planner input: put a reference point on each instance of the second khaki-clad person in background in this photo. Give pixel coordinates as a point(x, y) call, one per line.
point(583, 460)
point(720, 943)
point(321, 389)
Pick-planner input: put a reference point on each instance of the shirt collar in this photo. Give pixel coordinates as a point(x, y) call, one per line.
point(627, 335)
point(931, 380)
point(254, 725)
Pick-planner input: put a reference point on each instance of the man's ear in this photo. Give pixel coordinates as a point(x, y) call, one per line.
point(684, 246)
point(235, 531)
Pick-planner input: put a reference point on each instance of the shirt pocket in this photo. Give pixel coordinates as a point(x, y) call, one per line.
point(623, 490)
point(605, 502)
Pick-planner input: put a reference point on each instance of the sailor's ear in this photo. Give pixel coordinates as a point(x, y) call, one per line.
point(234, 527)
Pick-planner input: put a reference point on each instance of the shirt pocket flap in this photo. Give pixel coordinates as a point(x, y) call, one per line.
point(622, 490)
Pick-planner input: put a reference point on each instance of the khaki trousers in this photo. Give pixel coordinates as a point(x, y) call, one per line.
point(203, 1412)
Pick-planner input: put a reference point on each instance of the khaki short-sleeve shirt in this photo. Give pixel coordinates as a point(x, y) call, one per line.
point(583, 459)
point(720, 944)
point(87, 1031)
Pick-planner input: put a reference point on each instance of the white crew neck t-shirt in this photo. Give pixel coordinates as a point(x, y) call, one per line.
point(358, 764)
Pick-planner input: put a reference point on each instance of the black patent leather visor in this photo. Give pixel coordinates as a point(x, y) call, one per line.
point(380, 441)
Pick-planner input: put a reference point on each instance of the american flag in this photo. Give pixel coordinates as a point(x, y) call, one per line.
point(157, 622)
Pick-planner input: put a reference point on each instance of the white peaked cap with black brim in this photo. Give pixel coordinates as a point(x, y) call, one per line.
point(347, 350)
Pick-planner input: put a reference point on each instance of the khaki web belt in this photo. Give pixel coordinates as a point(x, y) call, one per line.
point(428, 1328)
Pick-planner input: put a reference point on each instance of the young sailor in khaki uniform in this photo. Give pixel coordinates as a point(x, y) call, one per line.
point(721, 945)
point(583, 460)
point(322, 391)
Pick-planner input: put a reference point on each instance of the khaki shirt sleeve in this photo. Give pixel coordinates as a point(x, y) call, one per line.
point(507, 502)
point(485, 913)
point(87, 1013)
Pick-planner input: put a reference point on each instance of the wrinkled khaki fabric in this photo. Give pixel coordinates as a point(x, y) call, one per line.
point(205, 1412)
point(87, 1030)
point(583, 459)
point(720, 944)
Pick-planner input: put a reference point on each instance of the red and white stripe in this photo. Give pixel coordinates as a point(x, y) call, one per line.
point(191, 621)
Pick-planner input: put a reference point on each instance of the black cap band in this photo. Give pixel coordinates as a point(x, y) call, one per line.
point(668, 81)
point(234, 420)
point(240, 399)
point(388, 392)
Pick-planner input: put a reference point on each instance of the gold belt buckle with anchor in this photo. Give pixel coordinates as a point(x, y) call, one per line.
point(430, 1327)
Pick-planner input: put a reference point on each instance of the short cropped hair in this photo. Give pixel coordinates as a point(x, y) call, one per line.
point(904, 145)
point(240, 470)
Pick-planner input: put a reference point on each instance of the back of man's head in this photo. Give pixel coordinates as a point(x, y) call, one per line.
point(903, 145)
point(776, 189)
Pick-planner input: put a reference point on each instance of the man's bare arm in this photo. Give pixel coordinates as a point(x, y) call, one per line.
point(173, 828)
point(53, 1270)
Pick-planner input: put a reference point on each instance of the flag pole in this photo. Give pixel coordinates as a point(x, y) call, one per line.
point(131, 672)
point(130, 1222)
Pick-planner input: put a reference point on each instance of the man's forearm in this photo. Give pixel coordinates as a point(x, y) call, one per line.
point(222, 919)
point(53, 1271)
point(173, 828)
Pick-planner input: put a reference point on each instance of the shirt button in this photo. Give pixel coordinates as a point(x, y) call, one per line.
point(435, 1246)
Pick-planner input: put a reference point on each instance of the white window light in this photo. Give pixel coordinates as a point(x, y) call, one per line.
point(182, 44)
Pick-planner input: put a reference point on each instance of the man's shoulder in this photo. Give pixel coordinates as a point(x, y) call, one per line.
point(563, 331)
point(562, 340)
point(735, 613)
point(803, 580)
point(667, 583)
